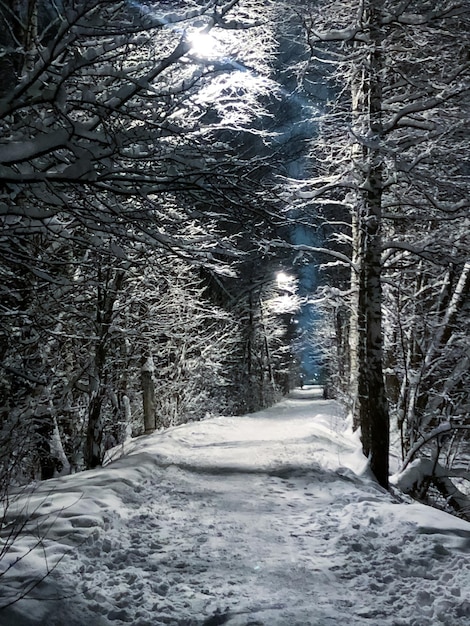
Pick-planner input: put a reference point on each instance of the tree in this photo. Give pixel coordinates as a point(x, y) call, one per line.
point(115, 151)
point(182, 339)
point(391, 139)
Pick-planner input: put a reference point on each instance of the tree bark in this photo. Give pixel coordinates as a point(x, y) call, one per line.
point(108, 288)
point(371, 407)
point(148, 393)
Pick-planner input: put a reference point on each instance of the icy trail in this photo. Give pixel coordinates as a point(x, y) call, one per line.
point(261, 520)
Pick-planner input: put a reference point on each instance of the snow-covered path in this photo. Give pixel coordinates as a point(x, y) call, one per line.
point(262, 520)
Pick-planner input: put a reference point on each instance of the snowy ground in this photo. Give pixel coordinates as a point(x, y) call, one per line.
point(262, 520)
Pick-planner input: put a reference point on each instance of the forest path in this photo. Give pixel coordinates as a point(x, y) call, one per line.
point(257, 521)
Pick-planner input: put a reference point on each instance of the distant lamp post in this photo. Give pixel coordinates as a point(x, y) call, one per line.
point(288, 301)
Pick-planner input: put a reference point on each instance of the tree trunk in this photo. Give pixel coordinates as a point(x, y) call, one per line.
point(44, 427)
point(108, 288)
point(371, 406)
point(148, 393)
point(354, 323)
point(25, 30)
point(94, 438)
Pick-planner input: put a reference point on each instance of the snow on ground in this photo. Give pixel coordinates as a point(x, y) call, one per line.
point(264, 520)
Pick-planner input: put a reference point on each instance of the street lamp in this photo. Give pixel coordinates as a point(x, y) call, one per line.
point(204, 45)
point(285, 282)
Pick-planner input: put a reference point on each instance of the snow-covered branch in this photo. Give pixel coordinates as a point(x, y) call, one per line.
point(307, 249)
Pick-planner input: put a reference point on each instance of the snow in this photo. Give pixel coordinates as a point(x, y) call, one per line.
point(267, 519)
point(16, 151)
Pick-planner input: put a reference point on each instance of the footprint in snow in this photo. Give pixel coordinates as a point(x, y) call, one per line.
point(218, 619)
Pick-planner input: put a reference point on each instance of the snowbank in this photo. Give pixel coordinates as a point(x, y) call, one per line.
point(266, 519)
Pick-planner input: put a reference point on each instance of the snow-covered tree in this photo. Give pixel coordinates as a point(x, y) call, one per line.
point(115, 122)
point(394, 157)
point(267, 307)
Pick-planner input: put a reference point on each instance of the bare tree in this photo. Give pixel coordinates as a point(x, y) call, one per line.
point(113, 151)
point(394, 157)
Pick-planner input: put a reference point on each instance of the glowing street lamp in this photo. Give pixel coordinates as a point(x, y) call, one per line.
point(203, 44)
point(285, 282)
point(287, 301)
